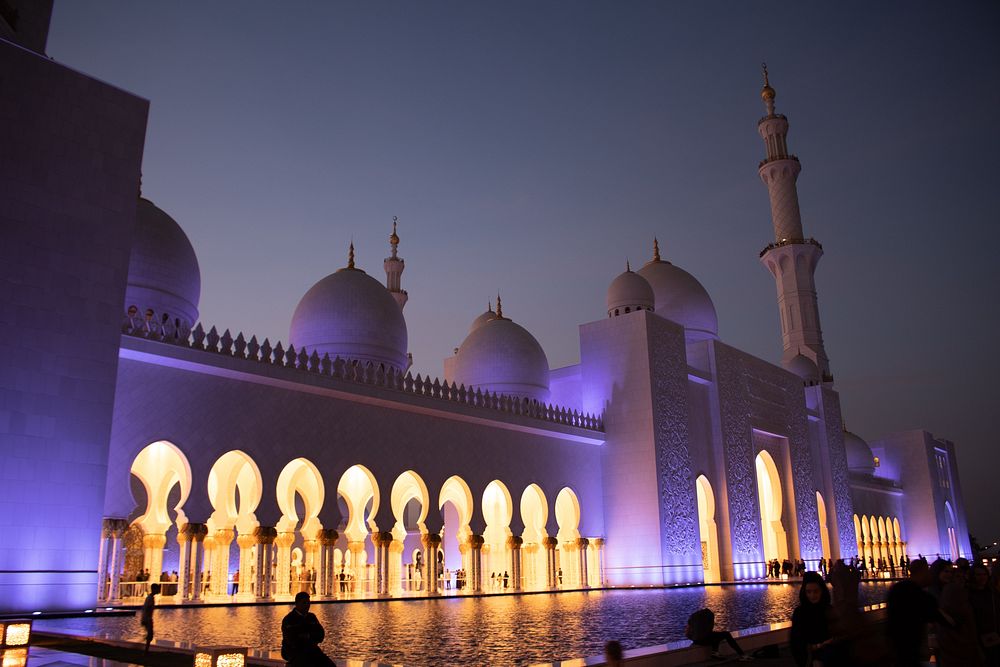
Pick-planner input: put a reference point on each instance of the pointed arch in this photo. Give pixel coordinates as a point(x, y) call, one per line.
point(456, 504)
point(708, 530)
point(359, 489)
point(824, 526)
point(769, 495)
point(235, 487)
point(160, 466)
point(498, 509)
point(534, 515)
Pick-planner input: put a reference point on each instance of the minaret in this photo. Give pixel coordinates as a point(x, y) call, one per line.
point(791, 259)
point(394, 266)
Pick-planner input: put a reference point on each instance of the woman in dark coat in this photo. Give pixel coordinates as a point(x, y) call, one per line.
point(811, 638)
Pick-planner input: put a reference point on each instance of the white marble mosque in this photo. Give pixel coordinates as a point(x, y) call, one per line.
point(664, 456)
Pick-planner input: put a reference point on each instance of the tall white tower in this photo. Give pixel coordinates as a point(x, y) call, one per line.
point(394, 266)
point(791, 258)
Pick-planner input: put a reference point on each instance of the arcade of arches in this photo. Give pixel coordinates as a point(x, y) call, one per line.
point(232, 555)
point(879, 541)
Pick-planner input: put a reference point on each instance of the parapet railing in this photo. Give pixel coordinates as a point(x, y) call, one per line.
point(349, 370)
point(784, 242)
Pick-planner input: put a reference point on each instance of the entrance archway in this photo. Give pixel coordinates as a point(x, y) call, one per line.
point(567, 555)
point(824, 526)
point(300, 479)
point(456, 504)
point(498, 508)
point(534, 515)
point(160, 467)
point(771, 506)
point(359, 490)
point(234, 489)
point(408, 488)
point(709, 530)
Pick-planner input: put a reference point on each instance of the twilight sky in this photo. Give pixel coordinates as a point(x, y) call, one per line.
point(531, 147)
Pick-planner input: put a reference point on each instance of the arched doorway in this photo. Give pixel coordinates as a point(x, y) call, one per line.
point(456, 504)
point(408, 493)
point(359, 490)
point(165, 474)
point(498, 508)
point(709, 531)
point(824, 526)
point(771, 507)
point(568, 573)
point(300, 493)
point(534, 516)
point(952, 527)
point(234, 489)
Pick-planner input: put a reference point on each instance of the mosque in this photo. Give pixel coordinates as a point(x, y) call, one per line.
point(664, 456)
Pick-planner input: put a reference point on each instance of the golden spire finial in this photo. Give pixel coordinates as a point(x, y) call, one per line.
point(393, 238)
point(499, 307)
point(350, 256)
point(628, 267)
point(656, 249)
point(767, 92)
point(489, 306)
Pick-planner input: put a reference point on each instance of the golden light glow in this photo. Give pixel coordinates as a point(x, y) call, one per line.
point(221, 657)
point(202, 660)
point(16, 634)
point(16, 657)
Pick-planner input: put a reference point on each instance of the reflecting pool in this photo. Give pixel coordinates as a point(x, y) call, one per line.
point(494, 630)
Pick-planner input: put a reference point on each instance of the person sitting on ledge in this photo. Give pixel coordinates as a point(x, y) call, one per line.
point(301, 635)
point(701, 631)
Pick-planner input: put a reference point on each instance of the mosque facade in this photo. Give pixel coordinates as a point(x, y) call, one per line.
point(664, 456)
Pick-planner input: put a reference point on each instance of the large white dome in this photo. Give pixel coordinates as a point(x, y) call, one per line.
point(629, 292)
point(503, 357)
point(163, 272)
point(483, 318)
point(351, 315)
point(859, 455)
point(681, 299)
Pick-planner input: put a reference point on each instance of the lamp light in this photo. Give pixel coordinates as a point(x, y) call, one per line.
point(14, 657)
point(220, 656)
point(14, 634)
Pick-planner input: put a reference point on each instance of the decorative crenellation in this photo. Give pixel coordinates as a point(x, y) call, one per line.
point(352, 370)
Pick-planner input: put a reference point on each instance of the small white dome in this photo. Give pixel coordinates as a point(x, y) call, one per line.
point(859, 455)
point(482, 319)
point(629, 292)
point(805, 368)
point(503, 357)
point(681, 299)
point(163, 273)
point(351, 315)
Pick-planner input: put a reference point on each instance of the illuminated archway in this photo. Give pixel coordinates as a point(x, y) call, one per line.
point(456, 504)
point(709, 530)
point(301, 478)
point(359, 489)
point(567, 554)
point(498, 508)
point(160, 466)
point(859, 537)
point(534, 515)
point(235, 488)
point(771, 507)
point(951, 526)
point(824, 526)
point(408, 487)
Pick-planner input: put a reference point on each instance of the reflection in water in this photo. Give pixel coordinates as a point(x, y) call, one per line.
point(502, 630)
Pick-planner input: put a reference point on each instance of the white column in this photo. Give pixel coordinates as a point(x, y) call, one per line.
point(582, 545)
point(183, 537)
point(246, 592)
point(197, 560)
point(118, 530)
point(284, 573)
point(102, 562)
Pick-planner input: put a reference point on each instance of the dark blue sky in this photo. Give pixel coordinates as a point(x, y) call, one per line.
point(532, 147)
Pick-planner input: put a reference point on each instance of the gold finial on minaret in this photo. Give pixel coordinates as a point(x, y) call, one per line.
point(393, 238)
point(767, 92)
point(499, 307)
point(350, 256)
point(628, 267)
point(656, 250)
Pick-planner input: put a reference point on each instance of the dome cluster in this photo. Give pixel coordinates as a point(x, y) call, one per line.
point(669, 291)
point(501, 356)
point(860, 459)
point(163, 273)
point(351, 315)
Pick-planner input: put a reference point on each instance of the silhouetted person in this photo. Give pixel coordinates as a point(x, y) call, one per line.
point(301, 635)
point(701, 631)
point(811, 636)
point(146, 619)
point(910, 609)
point(614, 656)
point(984, 595)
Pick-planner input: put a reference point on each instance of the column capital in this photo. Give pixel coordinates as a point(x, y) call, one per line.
point(515, 542)
point(328, 536)
point(476, 541)
point(382, 538)
point(550, 542)
point(430, 540)
point(599, 542)
point(583, 543)
point(246, 541)
point(154, 540)
point(284, 539)
point(265, 534)
point(195, 531)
